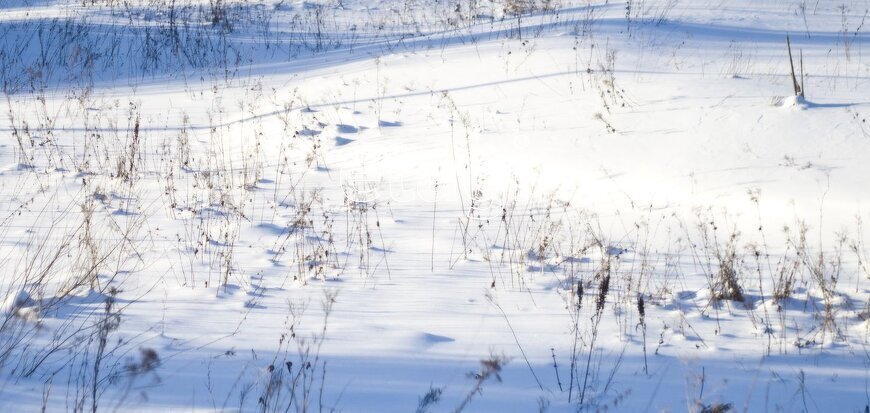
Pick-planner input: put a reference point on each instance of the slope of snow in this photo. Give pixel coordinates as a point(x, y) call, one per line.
point(180, 212)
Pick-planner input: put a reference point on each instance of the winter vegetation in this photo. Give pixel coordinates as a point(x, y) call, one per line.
point(434, 206)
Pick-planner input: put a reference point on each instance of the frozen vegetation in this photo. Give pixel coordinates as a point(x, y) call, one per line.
point(433, 206)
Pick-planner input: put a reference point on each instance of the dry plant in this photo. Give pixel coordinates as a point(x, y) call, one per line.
point(295, 377)
point(824, 267)
point(604, 277)
point(723, 281)
point(490, 368)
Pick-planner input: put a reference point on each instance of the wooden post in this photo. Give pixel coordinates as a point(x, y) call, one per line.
point(797, 89)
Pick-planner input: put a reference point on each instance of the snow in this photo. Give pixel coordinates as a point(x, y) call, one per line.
point(15, 302)
point(357, 201)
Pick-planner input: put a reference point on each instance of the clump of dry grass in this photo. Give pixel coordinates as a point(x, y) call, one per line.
point(727, 286)
point(722, 261)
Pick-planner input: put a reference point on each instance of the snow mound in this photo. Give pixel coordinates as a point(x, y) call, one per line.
point(22, 305)
point(798, 102)
point(16, 301)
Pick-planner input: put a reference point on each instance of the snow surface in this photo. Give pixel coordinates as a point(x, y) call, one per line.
point(192, 189)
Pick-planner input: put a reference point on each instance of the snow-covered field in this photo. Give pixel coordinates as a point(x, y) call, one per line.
point(420, 205)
